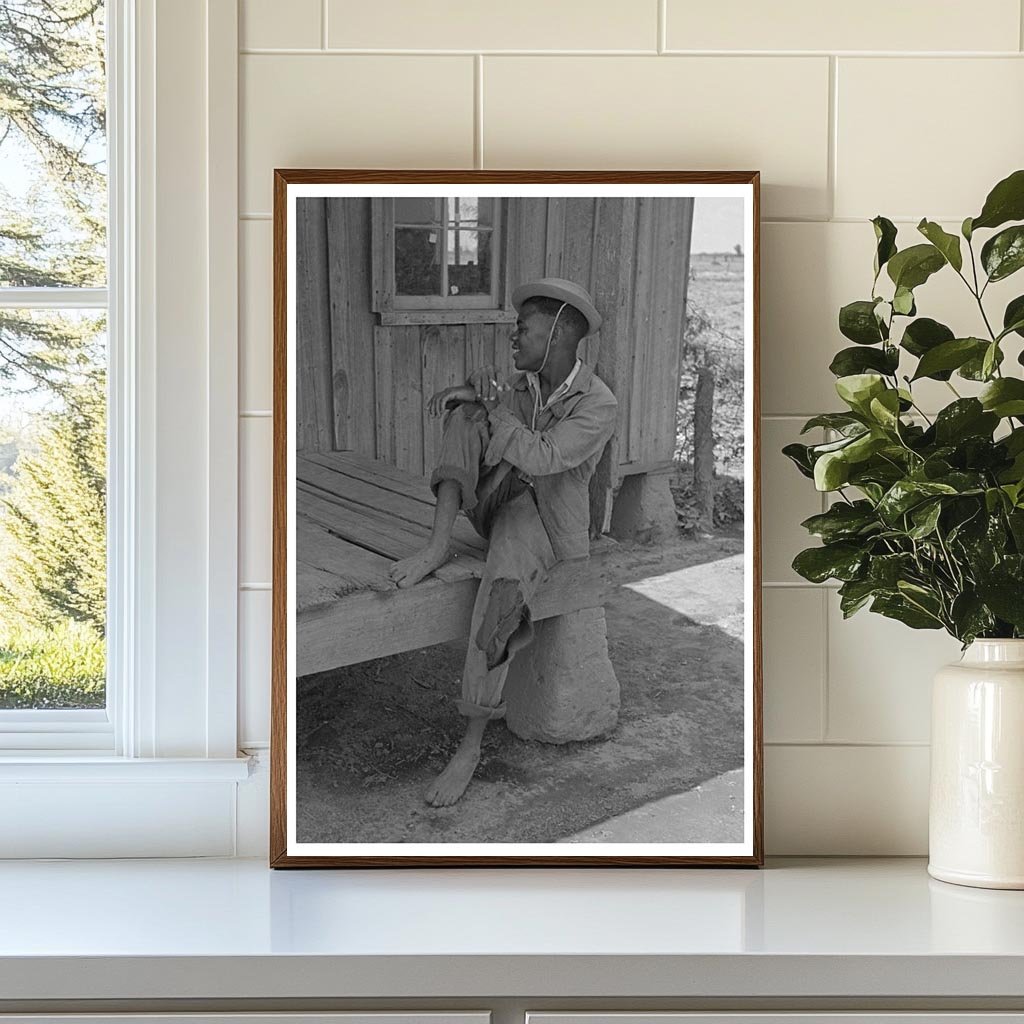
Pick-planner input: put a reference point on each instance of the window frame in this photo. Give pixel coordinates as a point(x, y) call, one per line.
point(57, 730)
point(173, 433)
point(396, 309)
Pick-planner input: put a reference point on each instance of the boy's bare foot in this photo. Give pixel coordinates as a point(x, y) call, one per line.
point(452, 782)
point(409, 571)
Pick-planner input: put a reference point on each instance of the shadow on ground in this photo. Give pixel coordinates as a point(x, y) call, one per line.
point(371, 736)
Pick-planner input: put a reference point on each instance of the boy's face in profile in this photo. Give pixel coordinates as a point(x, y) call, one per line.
point(530, 338)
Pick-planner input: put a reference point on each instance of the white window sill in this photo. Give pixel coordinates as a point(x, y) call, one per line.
point(78, 766)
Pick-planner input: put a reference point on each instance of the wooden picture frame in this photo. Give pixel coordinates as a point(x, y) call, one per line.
point(365, 480)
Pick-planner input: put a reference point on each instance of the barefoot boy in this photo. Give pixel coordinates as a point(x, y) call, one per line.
point(518, 461)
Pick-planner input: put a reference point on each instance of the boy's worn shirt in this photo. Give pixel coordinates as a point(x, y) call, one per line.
point(560, 455)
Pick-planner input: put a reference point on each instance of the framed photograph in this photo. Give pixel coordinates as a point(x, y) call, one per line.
point(516, 560)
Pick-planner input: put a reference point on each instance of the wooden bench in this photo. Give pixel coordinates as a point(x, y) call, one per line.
point(355, 518)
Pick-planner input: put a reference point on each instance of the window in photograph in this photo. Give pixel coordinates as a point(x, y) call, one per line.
point(443, 255)
point(53, 359)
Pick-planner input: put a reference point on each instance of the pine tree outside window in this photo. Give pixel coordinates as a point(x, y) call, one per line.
point(53, 371)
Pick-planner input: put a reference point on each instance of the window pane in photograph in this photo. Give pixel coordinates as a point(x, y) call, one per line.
point(53, 228)
point(472, 211)
point(53, 152)
point(417, 261)
point(469, 262)
point(417, 210)
point(53, 451)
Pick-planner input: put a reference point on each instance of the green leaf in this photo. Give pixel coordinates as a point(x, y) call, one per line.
point(857, 321)
point(990, 360)
point(970, 617)
point(841, 421)
point(906, 494)
point(923, 335)
point(947, 244)
point(897, 607)
point(843, 521)
point(850, 361)
point(1013, 317)
point(885, 237)
point(925, 518)
point(965, 228)
point(974, 368)
point(858, 389)
point(841, 561)
point(912, 267)
point(831, 471)
point(854, 595)
point(903, 302)
point(1003, 254)
point(1005, 596)
point(966, 417)
point(950, 355)
point(1004, 397)
point(1005, 202)
point(887, 570)
point(799, 455)
point(885, 409)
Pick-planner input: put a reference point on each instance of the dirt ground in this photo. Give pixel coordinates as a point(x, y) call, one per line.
point(371, 736)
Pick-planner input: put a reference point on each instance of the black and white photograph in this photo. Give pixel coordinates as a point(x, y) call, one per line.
point(516, 565)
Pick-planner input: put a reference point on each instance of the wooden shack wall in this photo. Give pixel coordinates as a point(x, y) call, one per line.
point(362, 386)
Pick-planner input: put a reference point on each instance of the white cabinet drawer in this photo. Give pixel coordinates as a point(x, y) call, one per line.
point(853, 1017)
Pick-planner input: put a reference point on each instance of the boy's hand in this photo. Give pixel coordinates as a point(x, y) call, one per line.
point(450, 396)
point(488, 385)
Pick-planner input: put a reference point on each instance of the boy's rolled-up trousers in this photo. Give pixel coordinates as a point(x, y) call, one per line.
point(502, 509)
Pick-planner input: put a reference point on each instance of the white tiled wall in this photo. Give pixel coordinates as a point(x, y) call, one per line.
point(906, 109)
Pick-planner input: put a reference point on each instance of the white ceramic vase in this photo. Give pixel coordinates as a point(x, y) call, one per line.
point(976, 813)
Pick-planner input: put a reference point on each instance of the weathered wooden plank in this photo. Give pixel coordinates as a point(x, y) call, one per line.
point(528, 260)
point(642, 330)
point(386, 535)
point(376, 473)
point(577, 259)
point(661, 388)
point(384, 414)
point(314, 399)
point(363, 496)
point(353, 567)
point(374, 625)
point(406, 318)
point(314, 587)
point(444, 365)
point(350, 285)
point(408, 401)
point(554, 237)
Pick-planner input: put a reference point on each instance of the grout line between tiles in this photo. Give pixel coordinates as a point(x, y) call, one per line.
point(369, 51)
point(823, 723)
point(255, 414)
point(854, 744)
point(833, 134)
point(254, 586)
point(478, 111)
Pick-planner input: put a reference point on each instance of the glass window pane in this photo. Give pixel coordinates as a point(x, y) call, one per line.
point(52, 509)
point(417, 262)
point(469, 262)
point(53, 151)
point(417, 210)
point(471, 210)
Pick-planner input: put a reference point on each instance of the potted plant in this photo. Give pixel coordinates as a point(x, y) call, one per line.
point(927, 521)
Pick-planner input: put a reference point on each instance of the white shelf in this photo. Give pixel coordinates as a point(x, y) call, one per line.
point(233, 929)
